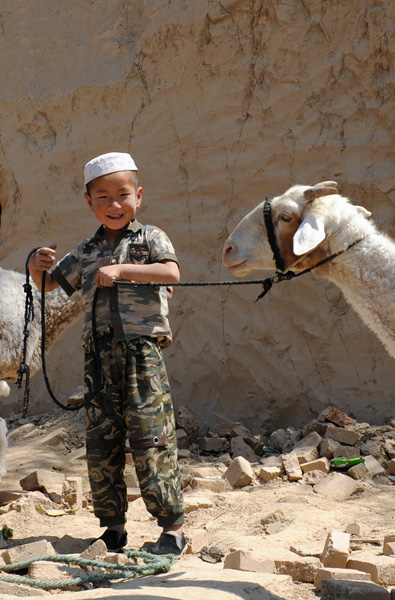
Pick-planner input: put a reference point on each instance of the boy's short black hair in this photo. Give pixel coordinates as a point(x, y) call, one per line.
point(134, 179)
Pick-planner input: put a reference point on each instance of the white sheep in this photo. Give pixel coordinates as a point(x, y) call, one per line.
point(60, 313)
point(311, 223)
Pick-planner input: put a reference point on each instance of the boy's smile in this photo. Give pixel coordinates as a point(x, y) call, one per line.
point(114, 200)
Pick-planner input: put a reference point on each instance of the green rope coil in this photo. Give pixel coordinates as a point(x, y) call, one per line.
point(153, 565)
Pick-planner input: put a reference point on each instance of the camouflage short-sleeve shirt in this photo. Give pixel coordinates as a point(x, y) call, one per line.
point(130, 311)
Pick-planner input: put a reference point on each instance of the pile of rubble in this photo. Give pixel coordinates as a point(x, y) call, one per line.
point(334, 455)
point(314, 456)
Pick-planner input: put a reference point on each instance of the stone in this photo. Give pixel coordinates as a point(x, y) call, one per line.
point(358, 471)
point(27, 552)
point(185, 420)
point(270, 473)
point(272, 460)
point(373, 466)
point(336, 416)
point(182, 439)
point(196, 540)
point(313, 477)
point(224, 429)
point(7, 496)
point(244, 560)
point(347, 452)
point(49, 571)
point(355, 529)
point(342, 435)
point(193, 503)
point(333, 573)
point(389, 544)
point(239, 472)
point(333, 589)
point(213, 484)
point(336, 550)
point(77, 396)
point(184, 453)
point(278, 518)
point(313, 548)
point(78, 454)
point(317, 426)
point(133, 493)
point(336, 486)
point(381, 568)
point(98, 548)
point(320, 464)
point(55, 438)
point(292, 467)
point(72, 492)
point(306, 454)
point(43, 480)
point(18, 590)
point(283, 440)
point(313, 439)
point(328, 447)
point(303, 568)
point(212, 444)
point(239, 448)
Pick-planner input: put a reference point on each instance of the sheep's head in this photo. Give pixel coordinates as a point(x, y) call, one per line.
point(302, 218)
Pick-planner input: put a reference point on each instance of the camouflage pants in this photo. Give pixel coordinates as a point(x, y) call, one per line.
point(134, 402)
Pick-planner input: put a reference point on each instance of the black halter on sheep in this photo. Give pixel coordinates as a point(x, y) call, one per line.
point(311, 223)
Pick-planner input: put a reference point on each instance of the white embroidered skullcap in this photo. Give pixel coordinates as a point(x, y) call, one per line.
point(108, 163)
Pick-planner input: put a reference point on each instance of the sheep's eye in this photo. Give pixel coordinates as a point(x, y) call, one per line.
point(285, 218)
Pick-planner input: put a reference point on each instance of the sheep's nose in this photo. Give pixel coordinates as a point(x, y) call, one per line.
point(228, 248)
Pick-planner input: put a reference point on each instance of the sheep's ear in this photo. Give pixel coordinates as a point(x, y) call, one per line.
point(362, 211)
point(325, 188)
point(310, 234)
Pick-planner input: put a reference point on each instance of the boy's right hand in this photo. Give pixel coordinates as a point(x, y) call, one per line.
point(43, 258)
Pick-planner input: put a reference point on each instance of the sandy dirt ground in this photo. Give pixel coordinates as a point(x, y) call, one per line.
point(231, 518)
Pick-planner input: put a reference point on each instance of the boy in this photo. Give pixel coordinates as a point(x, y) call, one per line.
point(133, 396)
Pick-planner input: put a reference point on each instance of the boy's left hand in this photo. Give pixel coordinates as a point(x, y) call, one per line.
point(107, 275)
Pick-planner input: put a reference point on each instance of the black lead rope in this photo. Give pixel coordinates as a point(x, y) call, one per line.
point(24, 370)
point(29, 310)
point(43, 360)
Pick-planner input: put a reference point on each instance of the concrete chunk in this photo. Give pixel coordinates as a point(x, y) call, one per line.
point(342, 435)
point(328, 447)
point(72, 492)
point(239, 473)
point(18, 590)
point(381, 568)
point(373, 466)
point(333, 589)
point(243, 560)
point(336, 550)
point(336, 486)
point(336, 416)
point(303, 568)
point(43, 480)
point(292, 467)
point(211, 444)
point(27, 552)
point(389, 544)
point(196, 540)
point(269, 473)
point(344, 574)
point(320, 464)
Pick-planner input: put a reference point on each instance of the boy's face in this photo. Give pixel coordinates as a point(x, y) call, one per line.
point(114, 199)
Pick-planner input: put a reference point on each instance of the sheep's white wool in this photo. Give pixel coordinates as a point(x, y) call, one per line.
point(60, 313)
point(3, 446)
point(4, 388)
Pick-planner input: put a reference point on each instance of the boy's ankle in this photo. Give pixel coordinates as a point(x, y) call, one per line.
point(176, 531)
